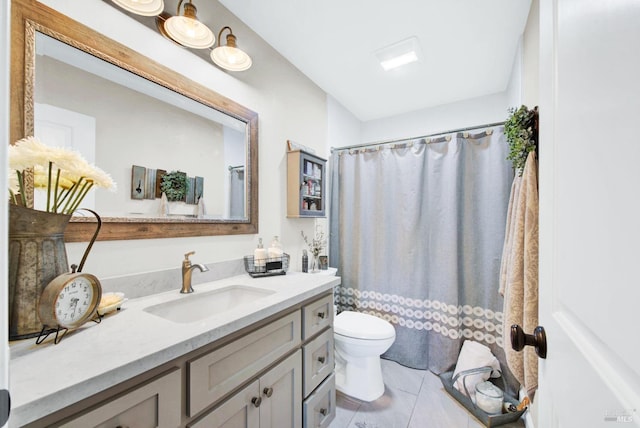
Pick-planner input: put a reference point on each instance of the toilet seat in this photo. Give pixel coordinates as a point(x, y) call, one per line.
point(362, 326)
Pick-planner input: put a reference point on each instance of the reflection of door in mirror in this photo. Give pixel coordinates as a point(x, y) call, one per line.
point(59, 127)
point(138, 123)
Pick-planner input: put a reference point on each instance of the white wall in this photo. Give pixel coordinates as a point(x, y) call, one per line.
point(514, 88)
point(344, 129)
point(290, 107)
point(472, 112)
point(531, 57)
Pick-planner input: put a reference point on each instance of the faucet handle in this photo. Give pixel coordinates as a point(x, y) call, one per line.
point(187, 255)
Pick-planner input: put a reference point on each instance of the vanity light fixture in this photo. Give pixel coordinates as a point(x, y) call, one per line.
point(141, 7)
point(229, 56)
point(187, 30)
point(398, 54)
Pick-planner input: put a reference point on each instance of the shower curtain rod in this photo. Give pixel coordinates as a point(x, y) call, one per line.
point(469, 128)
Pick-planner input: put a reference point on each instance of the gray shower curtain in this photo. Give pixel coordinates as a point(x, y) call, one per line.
point(416, 232)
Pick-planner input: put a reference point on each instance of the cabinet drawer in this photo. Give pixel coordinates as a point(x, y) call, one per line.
point(316, 316)
point(318, 361)
point(154, 404)
point(217, 373)
point(320, 408)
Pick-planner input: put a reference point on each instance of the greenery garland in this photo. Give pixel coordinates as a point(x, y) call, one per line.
point(521, 131)
point(174, 185)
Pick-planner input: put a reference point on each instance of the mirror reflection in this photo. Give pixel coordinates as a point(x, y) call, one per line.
point(150, 139)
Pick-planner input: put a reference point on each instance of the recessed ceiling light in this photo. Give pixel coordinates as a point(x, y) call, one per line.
point(399, 54)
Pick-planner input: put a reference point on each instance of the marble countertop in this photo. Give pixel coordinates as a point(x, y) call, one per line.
point(48, 377)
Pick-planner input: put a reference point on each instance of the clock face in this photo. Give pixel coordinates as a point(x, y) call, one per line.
point(74, 300)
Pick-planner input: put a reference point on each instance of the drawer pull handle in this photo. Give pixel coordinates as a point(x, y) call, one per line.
point(321, 360)
point(321, 315)
point(323, 412)
point(256, 401)
point(268, 392)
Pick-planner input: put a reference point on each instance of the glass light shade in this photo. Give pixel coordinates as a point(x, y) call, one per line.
point(231, 58)
point(188, 31)
point(142, 7)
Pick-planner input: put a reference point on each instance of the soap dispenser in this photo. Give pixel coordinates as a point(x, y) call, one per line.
point(260, 256)
point(275, 250)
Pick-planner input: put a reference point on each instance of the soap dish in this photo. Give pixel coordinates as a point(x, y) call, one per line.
point(110, 302)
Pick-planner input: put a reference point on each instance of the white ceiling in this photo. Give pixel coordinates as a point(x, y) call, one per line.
point(468, 47)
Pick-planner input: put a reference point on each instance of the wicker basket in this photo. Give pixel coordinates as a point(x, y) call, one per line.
point(268, 267)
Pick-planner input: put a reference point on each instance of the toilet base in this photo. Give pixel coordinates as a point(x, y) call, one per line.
point(359, 378)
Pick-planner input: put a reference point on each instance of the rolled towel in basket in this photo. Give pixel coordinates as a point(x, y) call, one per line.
point(474, 355)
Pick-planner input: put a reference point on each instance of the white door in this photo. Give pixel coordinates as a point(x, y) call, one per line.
point(59, 127)
point(590, 213)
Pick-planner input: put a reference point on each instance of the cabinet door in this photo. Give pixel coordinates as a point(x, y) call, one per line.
point(154, 404)
point(281, 389)
point(242, 410)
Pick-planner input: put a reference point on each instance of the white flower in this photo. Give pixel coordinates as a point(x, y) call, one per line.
point(65, 174)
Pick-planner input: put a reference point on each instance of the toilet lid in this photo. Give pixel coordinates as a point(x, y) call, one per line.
point(362, 326)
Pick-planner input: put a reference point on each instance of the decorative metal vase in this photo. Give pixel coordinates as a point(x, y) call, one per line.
point(37, 255)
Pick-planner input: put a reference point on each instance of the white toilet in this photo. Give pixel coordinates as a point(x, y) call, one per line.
point(360, 339)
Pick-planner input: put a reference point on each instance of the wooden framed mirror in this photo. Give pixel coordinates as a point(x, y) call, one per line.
point(176, 124)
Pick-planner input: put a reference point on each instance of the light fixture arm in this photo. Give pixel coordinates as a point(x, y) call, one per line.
point(231, 38)
point(190, 10)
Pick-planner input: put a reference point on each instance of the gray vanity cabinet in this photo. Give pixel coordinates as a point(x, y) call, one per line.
point(272, 401)
point(277, 373)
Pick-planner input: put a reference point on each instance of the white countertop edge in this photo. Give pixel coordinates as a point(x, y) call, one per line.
point(38, 387)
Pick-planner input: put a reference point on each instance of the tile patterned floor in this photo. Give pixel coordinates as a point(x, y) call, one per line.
point(412, 399)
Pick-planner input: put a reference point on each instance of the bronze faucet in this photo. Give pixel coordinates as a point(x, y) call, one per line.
point(187, 268)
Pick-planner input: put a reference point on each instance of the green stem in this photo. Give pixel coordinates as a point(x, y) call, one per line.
point(67, 197)
point(75, 200)
point(49, 187)
point(21, 186)
point(87, 186)
point(56, 193)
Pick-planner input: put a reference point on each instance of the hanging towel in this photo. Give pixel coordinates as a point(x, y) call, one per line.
point(519, 273)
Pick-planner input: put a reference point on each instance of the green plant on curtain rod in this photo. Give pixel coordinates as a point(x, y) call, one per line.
point(521, 130)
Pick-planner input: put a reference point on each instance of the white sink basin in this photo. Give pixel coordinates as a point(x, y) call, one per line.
point(198, 306)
